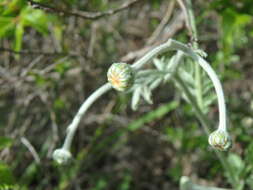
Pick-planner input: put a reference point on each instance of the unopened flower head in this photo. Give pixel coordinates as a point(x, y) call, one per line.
point(120, 76)
point(220, 140)
point(62, 156)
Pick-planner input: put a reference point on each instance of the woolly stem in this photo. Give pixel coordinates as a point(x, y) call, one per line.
point(175, 45)
point(211, 73)
point(81, 112)
point(206, 125)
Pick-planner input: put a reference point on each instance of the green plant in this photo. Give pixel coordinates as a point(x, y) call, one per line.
point(147, 80)
point(225, 33)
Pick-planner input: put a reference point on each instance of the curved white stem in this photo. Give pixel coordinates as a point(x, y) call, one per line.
point(150, 55)
point(211, 73)
point(82, 110)
point(169, 45)
point(219, 92)
point(175, 45)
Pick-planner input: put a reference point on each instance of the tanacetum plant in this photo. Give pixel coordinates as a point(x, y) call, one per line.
point(141, 82)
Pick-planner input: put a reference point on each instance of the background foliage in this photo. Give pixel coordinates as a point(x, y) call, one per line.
point(50, 62)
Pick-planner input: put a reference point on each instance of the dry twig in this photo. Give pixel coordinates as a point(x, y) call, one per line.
point(31, 149)
point(83, 14)
point(162, 24)
point(176, 25)
point(187, 24)
point(30, 52)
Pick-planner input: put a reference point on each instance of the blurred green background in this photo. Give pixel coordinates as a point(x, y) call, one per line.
point(50, 62)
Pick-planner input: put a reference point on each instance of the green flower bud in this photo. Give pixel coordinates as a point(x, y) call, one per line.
point(62, 156)
point(220, 140)
point(121, 76)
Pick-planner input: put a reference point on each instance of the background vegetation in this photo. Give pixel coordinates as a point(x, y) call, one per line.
point(52, 57)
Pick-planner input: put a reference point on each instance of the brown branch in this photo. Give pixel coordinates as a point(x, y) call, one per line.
point(162, 24)
point(31, 148)
point(39, 52)
point(82, 14)
point(176, 25)
point(184, 9)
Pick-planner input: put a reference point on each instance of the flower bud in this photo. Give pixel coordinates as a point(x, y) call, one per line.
point(121, 76)
point(220, 140)
point(62, 156)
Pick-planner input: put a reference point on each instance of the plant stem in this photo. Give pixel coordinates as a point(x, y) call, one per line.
point(192, 23)
point(81, 112)
point(194, 39)
point(206, 125)
point(186, 184)
point(175, 45)
point(150, 55)
point(211, 73)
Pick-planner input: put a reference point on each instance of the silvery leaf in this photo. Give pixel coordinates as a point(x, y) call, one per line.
point(159, 64)
point(174, 61)
point(187, 77)
point(146, 93)
point(167, 77)
point(155, 84)
point(201, 53)
point(145, 73)
point(136, 98)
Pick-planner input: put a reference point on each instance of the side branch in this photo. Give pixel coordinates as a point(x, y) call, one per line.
point(30, 52)
point(82, 14)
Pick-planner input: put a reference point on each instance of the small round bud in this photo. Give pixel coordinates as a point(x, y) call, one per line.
point(121, 76)
point(62, 156)
point(220, 140)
